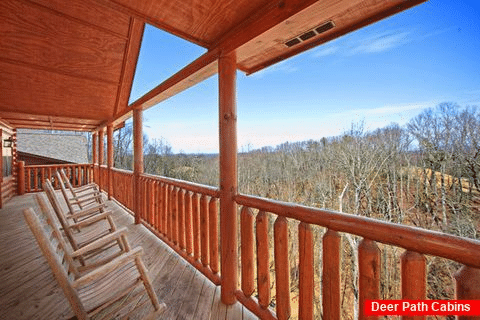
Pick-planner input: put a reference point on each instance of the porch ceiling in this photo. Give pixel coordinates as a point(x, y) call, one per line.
point(70, 64)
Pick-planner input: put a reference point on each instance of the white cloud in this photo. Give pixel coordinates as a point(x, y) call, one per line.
point(377, 42)
point(283, 67)
point(323, 52)
point(393, 109)
point(381, 42)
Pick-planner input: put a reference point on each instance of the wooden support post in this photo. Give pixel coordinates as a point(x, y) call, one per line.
point(21, 177)
point(100, 158)
point(137, 161)
point(95, 156)
point(110, 160)
point(101, 135)
point(227, 68)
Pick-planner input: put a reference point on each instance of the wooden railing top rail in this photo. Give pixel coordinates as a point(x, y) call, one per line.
point(190, 186)
point(57, 165)
point(123, 171)
point(463, 250)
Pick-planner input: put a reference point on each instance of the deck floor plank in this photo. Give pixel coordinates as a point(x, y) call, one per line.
point(28, 289)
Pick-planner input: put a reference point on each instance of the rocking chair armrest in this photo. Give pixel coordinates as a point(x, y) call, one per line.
point(114, 236)
point(87, 211)
point(86, 187)
point(90, 220)
point(91, 194)
point(80, 201)
point(109, 267)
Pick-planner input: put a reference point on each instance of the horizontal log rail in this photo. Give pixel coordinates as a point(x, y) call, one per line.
point(34, 175)
point(188, 186)
point(463, 250)
point(417, 242)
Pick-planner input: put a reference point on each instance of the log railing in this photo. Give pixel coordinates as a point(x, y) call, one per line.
point(185, 216)
point(123, 187)
point(416, 242)
point(34, 175)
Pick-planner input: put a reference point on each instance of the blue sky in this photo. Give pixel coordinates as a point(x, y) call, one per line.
point(387, 72)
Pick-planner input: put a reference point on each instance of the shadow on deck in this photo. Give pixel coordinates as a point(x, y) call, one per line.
point(29, 291)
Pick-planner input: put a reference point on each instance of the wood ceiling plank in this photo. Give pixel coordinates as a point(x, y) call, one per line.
point(92, 12)
point(49, 124)
point(211, 19)
point(154, 19)
point(33, 35)
point(54, 126)
point(17, 116)
point(33, 91)
point(347, 18)
point(132, 51)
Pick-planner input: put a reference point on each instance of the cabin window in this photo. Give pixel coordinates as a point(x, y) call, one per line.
point(7, 161)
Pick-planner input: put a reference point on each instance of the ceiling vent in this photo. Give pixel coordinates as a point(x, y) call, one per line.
point(310, 33)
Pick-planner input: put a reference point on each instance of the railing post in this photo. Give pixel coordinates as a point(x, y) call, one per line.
point(213, 234)
point(263, 264)
point(467, 286)
point(306, 286)
point(227, 68)
point(369, 275)
point(282, 270)
point(247, 251)
point(331, 275)
point(110, 160)
point(414, 285)
point(137, 161)
point(21, 177)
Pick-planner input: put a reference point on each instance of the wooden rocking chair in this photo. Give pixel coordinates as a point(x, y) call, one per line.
point(82, 228)
point(83, 195)
point(102, 293)
point(76, 205)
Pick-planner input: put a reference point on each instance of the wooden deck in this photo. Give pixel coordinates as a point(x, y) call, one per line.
point(29, 291)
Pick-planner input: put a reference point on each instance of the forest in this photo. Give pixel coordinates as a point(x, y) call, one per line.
point(425, 173)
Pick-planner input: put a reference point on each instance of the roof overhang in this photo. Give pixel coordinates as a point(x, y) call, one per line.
point(70, 65)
